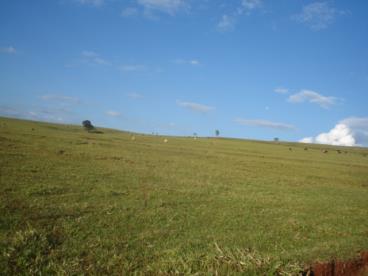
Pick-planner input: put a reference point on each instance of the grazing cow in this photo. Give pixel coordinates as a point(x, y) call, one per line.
point(290, 149)
point(339, 151)
point(305, 148)
point(165, 140)
point(325, 151)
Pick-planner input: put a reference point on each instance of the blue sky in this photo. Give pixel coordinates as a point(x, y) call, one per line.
point(255, 69)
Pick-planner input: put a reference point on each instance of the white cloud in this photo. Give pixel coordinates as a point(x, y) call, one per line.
point(250, 5)
point(317, 15)
point(32, 113)
point(129, 12)
point(359, 127)
point(308, 140)
point(281, 90)
point(8, 50)
point(50, 107)
point(351, 131)
point(264, 124)
point(226, 23)
point(89, 54)
point(195, 106)
point(194, 62)
point(135, 95)
point(95, 3)
point(60, 99)
point(166, 6)
point(133, 67)
point(113, 113)
point(340, 135)
point(187, 61)
point(94, 58)
point(312, 97)
point(41, 114)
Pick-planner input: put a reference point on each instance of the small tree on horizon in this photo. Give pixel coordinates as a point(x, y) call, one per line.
point(217, 132)
point(88, 125)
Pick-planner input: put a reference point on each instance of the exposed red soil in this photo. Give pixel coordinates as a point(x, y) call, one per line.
point(354, 267)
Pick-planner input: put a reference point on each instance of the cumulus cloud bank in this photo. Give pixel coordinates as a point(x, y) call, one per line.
point(351, 131)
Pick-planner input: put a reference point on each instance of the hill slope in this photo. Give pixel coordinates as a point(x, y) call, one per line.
point(72, 201)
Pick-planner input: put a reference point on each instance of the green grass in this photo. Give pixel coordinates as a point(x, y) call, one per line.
point(73, 202)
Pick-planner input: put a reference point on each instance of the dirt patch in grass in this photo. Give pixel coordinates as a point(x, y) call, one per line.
point(353, 267)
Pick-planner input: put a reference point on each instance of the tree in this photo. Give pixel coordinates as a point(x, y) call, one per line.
point(88, 125)
point(217, 133)
point(276, 139)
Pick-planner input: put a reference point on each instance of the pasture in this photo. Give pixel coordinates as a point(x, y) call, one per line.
point(73, 202)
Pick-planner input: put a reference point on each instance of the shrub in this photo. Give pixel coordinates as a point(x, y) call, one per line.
point(88, 125)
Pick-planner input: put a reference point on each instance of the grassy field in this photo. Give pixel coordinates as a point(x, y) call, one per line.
point(73, 202)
